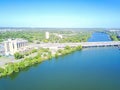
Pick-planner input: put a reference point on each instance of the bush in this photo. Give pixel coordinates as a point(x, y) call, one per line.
point(34, 50)
point(18, 56)
point(59, 51)
point(1, 70)
point(79, 47)
point(26, 54)
point(67, 47)
point(56, 55)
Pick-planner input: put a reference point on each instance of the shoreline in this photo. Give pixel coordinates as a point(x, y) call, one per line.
point(12, 67)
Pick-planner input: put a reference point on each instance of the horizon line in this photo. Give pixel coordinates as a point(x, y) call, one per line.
point(65, 27)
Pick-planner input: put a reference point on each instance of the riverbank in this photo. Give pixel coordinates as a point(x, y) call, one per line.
point(42, 55)
point(113, 36)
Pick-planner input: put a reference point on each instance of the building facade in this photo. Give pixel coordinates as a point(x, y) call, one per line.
point(47, 35)
point(12, 46)
point(2, 51)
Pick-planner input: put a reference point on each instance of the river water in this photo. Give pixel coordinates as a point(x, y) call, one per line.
point(99, 36)
point(89, 69)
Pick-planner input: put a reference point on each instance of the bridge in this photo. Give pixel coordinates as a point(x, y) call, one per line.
point(83, 44)
point(100, 44)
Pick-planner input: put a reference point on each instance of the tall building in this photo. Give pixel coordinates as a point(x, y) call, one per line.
point(12, 46)
point(47, 35)
point(2, 51)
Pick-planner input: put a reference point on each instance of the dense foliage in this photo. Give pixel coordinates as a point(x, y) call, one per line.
point(18, 55)
point(67, 50)
point(10, 68)
point(39, 36)
point(42, 54)
point(113, 36)
point(31, 36)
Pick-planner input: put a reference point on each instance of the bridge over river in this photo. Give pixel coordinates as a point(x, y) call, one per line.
point(100, 44)
point(83, 44)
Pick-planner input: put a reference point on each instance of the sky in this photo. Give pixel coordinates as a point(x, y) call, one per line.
point(60, 13)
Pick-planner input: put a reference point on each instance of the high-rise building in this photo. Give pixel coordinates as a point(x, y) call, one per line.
point(13, 46)
point(2, 51)
point(47, 35)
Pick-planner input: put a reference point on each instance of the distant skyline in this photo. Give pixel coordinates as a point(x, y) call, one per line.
point(60, 13)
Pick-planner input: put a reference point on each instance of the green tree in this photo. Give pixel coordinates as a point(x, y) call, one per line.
point(56, 54)
point(10, 69)
point(34, 50)
point(1, 71)
point(67, 47)
point(18, 55)
point(79, 47)
point(59, 51)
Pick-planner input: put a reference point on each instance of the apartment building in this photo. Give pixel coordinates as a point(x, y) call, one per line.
point(14, 45)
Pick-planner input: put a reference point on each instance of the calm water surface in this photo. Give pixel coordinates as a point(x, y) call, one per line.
point(89, 69)
point(96, 37)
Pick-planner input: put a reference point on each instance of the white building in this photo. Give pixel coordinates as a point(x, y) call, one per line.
point(2, 51)
point(47, 35)
point(13, 46)
point(60, 36)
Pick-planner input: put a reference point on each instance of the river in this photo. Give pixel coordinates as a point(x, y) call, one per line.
point(99, 36)
point(89, 69)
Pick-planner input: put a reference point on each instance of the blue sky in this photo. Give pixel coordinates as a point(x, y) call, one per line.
point(60, 13)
